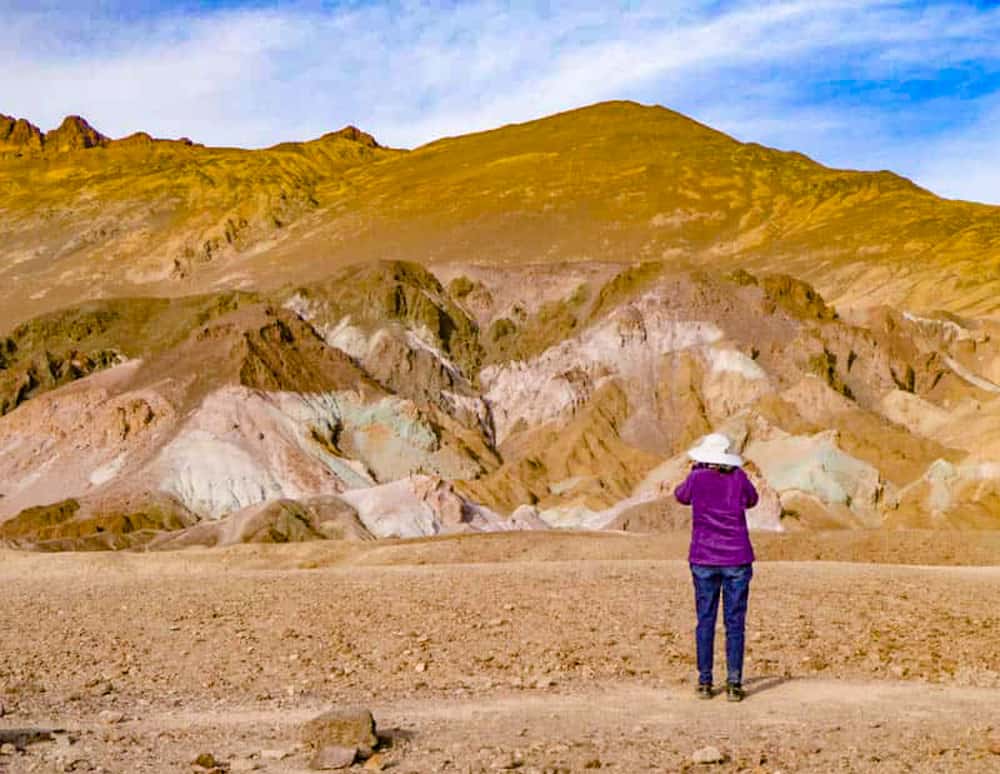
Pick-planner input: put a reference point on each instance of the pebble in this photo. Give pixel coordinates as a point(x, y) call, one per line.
point(275, 755)
point(707, 755)
point(110, 717)
point(507, 763)
point(421, 667)
point(7, 749)
point(205, 761)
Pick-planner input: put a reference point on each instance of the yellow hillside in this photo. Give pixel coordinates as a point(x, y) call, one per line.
point(614, 182)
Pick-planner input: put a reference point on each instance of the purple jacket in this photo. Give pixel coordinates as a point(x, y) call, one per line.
point(719, 501)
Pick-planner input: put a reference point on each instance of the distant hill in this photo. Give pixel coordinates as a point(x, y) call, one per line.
point(85, 216)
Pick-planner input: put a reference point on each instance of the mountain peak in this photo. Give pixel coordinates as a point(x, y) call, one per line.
point(351, 132)
point(74, 133)
point(19, 135)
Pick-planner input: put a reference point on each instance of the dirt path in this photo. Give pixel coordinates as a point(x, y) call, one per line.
point(784, 725)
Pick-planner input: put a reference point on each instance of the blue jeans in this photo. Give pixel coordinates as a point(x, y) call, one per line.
point(734, 583)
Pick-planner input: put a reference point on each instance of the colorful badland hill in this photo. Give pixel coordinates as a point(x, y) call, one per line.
point(520, 328)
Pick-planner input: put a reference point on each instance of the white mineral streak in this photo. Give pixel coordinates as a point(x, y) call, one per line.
point(343, 335)
point(212, 476)
point(302, 306)
point(392, 510)
point(971, 378)
point(954, 331)
point(419, 506)
point(914, 413)
point(422, 339)
point(13, 443)
point(627, 344)
point(242, 447)
point(735, 362)
point(347, 338)
point(949, 483)
point(107, 472)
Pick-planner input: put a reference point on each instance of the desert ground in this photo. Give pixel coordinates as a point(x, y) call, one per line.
point(530, 651)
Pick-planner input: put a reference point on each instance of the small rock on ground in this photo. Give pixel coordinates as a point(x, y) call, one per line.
point(205, 761)
point(708, 755)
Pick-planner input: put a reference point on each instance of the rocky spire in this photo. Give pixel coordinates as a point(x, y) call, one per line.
point(19, 135)
point(354, 134)
point(73, 134)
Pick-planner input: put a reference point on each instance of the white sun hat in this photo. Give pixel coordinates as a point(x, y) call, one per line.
point(714, 449)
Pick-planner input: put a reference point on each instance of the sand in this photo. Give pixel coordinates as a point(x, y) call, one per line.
point(530, 651)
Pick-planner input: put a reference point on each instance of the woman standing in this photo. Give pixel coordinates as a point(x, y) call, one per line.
point(721, 556)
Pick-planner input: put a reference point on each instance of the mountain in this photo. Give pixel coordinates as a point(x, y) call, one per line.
point(613, 182)
point(86, 217)
point(515, 329)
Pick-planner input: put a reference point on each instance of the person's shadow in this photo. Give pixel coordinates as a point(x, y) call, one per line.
point(757, 685)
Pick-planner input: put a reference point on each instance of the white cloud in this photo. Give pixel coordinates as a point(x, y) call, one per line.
point(964, 165)
point(415, 70)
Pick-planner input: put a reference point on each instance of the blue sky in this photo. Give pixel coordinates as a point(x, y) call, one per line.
point(865, 84)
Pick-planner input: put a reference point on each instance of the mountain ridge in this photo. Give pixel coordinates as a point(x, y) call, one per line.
point(19, 136)
point(616, 181)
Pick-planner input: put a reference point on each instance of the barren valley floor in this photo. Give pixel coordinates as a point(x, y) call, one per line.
point(527, 651)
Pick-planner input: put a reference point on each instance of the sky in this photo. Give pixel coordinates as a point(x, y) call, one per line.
point(862, 84)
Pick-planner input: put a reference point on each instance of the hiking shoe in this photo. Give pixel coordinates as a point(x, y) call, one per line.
point(705, 691)
point(734, 692)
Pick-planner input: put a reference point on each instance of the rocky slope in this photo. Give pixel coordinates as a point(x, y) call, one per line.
point(517, 329)
point(389, 400)
point(83, 216)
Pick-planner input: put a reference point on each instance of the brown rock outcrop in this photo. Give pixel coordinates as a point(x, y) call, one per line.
point(18, 135)
point(74, 133)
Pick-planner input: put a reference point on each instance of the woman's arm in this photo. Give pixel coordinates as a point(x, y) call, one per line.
point(750, 495)
point(684, 492)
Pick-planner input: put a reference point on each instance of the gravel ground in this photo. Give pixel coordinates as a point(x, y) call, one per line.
point(531, 652)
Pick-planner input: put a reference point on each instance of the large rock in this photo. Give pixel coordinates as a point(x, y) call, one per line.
point(346, 727)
